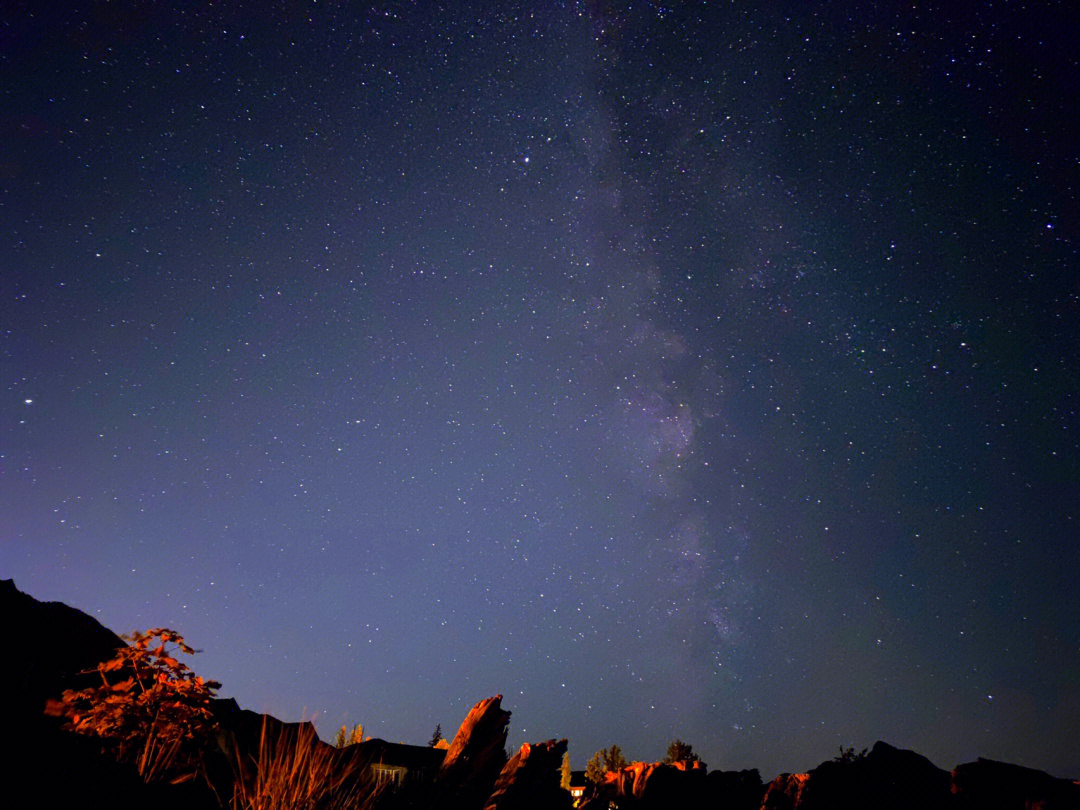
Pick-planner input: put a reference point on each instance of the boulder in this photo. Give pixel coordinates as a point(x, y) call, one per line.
point(475, 757)
point(531, 780)
point(989, 785)
point(785, 792)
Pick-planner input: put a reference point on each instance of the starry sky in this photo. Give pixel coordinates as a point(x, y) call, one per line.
point(707, 370)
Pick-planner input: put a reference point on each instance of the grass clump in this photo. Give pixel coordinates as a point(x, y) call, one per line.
point(294, 770)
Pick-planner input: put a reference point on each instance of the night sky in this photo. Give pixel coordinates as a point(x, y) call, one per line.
point(698, 370)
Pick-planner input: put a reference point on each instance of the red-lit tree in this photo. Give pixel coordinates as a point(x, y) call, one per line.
point(150, 708)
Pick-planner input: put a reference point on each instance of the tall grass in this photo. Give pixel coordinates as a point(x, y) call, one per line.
point(295, 771)
point(159, 756)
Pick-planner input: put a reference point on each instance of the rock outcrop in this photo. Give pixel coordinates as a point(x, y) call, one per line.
point(734, 790)
point(989, 785)
point(51, 647)
point(887, 778)
point(475, 757)
point(530, 780)
point(785, 792)
point(665, 786)
point(654, 785)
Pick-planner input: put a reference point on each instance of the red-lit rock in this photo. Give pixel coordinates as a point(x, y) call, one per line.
point(530, 780)
point(785, 792)
point(475, 757)
point(683, 765)
point(655, 786)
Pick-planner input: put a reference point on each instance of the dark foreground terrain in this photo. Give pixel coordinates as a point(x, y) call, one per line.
point(50, 647)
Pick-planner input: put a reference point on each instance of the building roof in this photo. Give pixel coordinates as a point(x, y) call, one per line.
point(413, 757)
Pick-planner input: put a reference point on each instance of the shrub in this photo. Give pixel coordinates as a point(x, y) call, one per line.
point(150, 708)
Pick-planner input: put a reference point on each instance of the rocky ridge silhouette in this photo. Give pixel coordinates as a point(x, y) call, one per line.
point(51, 647)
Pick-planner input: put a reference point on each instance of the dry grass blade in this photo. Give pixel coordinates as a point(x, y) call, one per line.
point(294, 771)
point(156, 757)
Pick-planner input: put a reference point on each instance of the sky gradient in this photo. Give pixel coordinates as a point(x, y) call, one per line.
point(697, 370)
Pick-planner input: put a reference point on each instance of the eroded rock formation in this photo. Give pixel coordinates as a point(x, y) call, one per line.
point(51, 647)
point(475, 757)
point(530, 780)
point(649, 785)
point(785, 792)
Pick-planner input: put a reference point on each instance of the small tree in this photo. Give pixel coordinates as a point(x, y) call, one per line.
point(847, 756)
point(603, 761)
point(344, 737)
point(678, 751)
point(150, 709)
point(594, 768)
point(436, 736)
point(564, 772)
